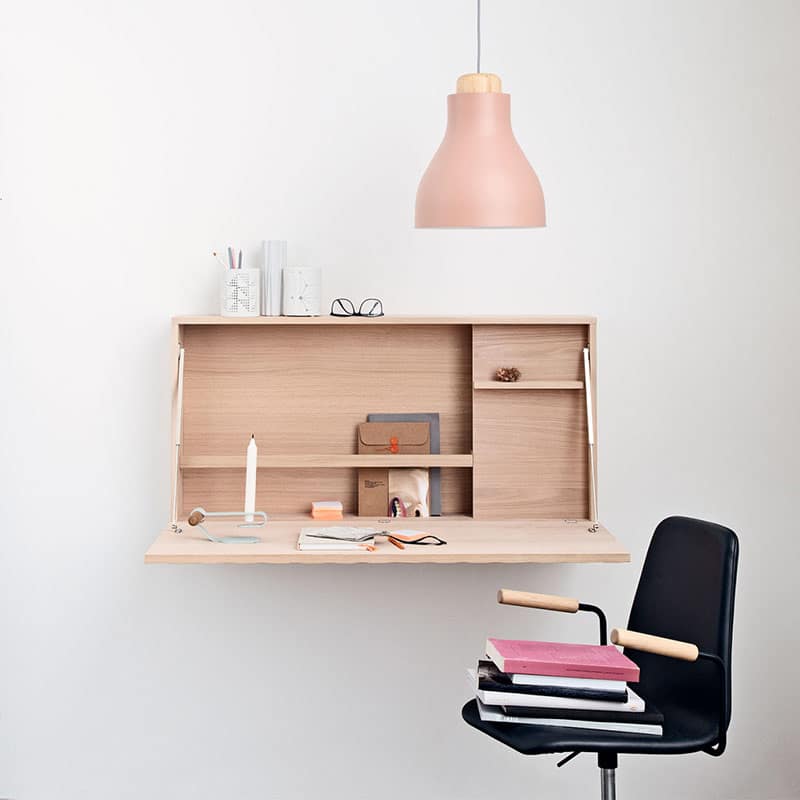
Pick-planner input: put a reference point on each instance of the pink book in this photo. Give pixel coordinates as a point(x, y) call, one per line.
point(564, 660)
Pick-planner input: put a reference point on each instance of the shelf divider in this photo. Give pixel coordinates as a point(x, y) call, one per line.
point(327, 461)
point(518, 385)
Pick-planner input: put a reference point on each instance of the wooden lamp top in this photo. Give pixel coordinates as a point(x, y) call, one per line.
point(479, 83)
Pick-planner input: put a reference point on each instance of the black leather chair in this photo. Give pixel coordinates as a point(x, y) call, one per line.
point(685, 593)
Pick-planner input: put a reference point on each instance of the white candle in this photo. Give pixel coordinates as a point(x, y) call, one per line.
point(250, 480)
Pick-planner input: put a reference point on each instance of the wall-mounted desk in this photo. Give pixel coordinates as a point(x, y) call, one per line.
point(514, 457)
point(469, 542)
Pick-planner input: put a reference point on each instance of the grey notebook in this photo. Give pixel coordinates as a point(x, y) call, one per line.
point(434, 472)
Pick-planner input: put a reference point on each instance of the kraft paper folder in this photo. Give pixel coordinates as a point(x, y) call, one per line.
point(377, 438)
point(435, 473)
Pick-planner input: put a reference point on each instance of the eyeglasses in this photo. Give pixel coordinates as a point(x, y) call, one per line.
point(397, 539)
point(343, 307)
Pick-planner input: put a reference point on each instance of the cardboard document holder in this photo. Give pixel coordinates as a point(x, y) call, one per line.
point(386, 438)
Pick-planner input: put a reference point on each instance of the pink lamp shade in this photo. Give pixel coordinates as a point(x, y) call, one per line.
point(479, 177)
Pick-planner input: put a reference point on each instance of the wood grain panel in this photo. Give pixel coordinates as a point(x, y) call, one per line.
point(304, 389)
point(526, 385)
point(350, 322)
point(468, 542)
point(530, 457)
point(292, 491)
point(543, 352)
point(328, 461)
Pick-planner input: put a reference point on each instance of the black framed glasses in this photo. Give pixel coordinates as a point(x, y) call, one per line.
point(344, 307)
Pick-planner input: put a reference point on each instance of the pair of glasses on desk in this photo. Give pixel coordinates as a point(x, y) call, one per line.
point(398, 540)
point(344, 307)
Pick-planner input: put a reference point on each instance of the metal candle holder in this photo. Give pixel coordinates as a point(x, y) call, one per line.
point(198, 514)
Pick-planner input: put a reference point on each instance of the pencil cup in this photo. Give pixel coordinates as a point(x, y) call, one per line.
point(240, 292)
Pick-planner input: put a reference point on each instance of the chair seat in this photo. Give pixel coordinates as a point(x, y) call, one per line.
point(683, 733)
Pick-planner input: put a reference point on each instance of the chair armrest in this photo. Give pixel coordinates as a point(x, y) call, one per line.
point(672, 648)
point(551, 602)
point(685, 651)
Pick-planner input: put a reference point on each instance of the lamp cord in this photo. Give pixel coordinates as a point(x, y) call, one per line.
point(479, 37)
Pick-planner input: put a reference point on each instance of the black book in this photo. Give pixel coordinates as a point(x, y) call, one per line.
point(492, 679)
point(650, 716)
point(648, 722)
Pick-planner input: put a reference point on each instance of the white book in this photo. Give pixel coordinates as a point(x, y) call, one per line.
point(492, 698)
point(330, 547)
point(336, 538)
point(494, 715)
point(274, 260)
point(571, 683)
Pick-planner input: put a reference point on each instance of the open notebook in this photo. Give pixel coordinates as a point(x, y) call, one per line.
point(338, 537)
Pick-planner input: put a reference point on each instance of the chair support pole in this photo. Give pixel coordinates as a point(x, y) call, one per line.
point(608, 784)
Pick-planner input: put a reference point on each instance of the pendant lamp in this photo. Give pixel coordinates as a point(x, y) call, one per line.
point(479, 177)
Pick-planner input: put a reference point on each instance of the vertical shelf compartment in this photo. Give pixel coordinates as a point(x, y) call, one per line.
point(530, 448)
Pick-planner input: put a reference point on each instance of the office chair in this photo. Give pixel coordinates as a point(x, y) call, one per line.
point(679, 633)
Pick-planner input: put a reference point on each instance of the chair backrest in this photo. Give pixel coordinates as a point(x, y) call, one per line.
point(686, 591)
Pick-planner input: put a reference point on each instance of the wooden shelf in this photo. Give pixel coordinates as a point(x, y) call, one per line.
point(326, 319)
point(469, 541)
point(327, 461)
point(527, 385)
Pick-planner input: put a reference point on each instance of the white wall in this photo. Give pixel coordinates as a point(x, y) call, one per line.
point(137, 137)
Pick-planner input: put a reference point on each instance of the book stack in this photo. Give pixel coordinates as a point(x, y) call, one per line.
point(330, 510)
point(563, 685)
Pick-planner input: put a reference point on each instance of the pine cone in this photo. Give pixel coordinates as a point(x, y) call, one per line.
point(508, 374)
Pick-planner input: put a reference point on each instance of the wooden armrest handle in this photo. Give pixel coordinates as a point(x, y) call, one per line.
point(551, 602)
point(655, 644)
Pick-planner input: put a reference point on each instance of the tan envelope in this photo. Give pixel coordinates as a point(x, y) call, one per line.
point(398, 437)
point(385, 438)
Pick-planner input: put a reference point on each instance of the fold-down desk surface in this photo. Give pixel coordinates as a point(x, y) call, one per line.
point(469, 541)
